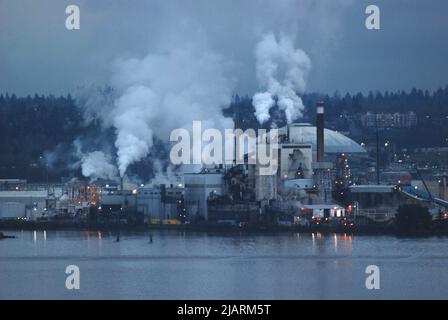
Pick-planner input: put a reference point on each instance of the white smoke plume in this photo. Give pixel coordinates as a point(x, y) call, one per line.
point(94, 165)
point(97, 164)
point(161, 92)
point(132, 116)
point(163, 175)
point(281, 72)
point(185, 75)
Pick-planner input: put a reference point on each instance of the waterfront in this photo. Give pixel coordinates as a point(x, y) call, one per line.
point(195, 265)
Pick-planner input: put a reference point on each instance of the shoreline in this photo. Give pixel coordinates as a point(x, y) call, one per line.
point(213, 228)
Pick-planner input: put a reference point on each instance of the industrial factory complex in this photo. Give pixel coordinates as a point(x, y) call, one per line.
point(319, 181)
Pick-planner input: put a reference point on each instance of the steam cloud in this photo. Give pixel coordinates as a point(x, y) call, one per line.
point(97, 164)
point(164, 91)
point(281, 72)
point(181, 79)
point(159, 93)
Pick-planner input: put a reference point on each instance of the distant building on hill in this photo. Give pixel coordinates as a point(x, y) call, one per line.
point(391, 120)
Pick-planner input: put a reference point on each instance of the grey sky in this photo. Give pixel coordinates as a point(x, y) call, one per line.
point(38, 55)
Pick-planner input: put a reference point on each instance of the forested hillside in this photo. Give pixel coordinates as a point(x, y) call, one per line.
point(37, 132)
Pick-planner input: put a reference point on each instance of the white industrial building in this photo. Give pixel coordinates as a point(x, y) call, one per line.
point(149, 202)
point(295, 161)
point(160, 202)
point(22, 204)
point(199, 186)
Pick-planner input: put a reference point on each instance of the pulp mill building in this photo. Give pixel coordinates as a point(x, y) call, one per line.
point(230, 193)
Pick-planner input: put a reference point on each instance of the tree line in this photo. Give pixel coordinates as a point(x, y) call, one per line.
point(33, 128)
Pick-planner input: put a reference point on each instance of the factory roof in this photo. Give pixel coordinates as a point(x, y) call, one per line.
point(380, 188)
point(335, 142)
point(18, 194)
point(321, 206)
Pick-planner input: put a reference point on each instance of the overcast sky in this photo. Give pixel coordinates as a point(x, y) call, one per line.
point(39, 55)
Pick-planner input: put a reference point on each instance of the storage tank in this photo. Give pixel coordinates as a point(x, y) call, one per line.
point(12, 210)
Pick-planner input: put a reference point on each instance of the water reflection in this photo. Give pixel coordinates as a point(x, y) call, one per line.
point(340, 243)
point(179, 265)
point(347, 243)
point(335, 238)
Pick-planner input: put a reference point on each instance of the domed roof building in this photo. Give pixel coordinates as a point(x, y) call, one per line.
point(334, 142)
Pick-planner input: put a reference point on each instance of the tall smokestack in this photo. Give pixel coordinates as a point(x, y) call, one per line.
point(320, 130)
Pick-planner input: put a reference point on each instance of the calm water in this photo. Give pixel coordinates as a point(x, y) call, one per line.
point(215, 266)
